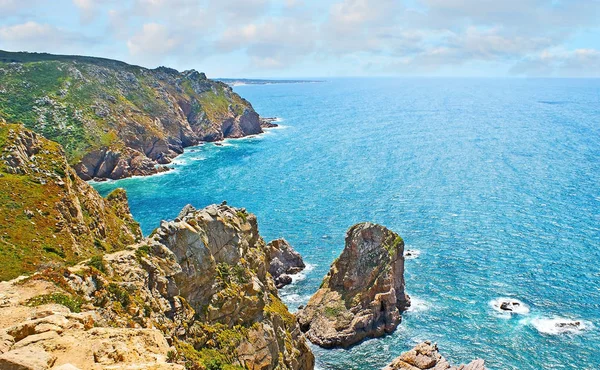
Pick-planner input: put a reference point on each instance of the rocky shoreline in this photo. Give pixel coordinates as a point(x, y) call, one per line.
point(82, 289)
point(138, 165)
point(116, 120)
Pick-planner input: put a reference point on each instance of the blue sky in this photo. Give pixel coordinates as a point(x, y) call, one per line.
point(302, 38)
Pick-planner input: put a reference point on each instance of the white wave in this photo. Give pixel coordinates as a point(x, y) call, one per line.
point(558, 325)
point(278, 127)
point(224, 142)
point(302, 274)
point(509, 306)
point(417, 304)
point(295, 299)
point(411, 254)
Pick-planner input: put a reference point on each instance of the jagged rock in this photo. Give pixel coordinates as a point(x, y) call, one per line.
point(363, 294)
point(425, 356)
point(283, 280)
point(224, 264)
point(268, 122)
point(198, 289)
point(284, 261)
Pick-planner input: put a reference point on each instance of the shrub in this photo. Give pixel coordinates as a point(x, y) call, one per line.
point(73, 303)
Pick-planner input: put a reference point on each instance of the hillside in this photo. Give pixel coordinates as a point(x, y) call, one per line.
point(117, 120)
point(48, 214)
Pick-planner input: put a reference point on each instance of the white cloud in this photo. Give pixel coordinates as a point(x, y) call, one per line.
point(561, 63)
point(42, 37)
point(153, 42)
point(87, 9)
point(381, 35)
point(272, 44)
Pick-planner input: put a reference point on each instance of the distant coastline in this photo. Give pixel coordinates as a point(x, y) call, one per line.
point(250, 81)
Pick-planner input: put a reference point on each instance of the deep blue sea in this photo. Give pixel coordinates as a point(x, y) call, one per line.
point(496, 182)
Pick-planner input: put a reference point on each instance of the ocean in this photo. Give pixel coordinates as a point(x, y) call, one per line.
point(494, 182)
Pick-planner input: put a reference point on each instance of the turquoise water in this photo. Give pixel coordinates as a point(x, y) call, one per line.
point(495, 182)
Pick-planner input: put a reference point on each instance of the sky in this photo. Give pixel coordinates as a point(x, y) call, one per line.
point(318, 38)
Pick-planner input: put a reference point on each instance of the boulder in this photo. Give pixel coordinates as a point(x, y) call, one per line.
point(363, 294)
point(284, 261)
point(426, 356)
point(28, 358)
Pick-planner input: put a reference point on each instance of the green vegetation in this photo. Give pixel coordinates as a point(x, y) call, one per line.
point(392, 246)
point(204, 358)
point(231, 275)
point(243, 215)
point(277, 308)
point(119, 294)
point(36, 222)
point(83, 102)
point(73, 303)
point(333, 312)
point(97, 262)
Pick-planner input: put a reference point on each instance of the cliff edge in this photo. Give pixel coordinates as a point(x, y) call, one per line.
point(196, 294)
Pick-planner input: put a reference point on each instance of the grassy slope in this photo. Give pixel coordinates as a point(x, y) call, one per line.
point(30, 230)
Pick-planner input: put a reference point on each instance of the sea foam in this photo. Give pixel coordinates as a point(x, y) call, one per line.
point(558, 325)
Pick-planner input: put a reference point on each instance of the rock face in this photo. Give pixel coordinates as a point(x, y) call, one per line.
point(363, 294)
point(196, 293)
point(426, 356)
point(117, 120)
point(284, 261)
point(49, 214)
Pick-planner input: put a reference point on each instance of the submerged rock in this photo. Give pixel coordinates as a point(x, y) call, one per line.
point(556, 326)
point(284, 262)
point(426, 356)
point(363, 294)
point(510, 306)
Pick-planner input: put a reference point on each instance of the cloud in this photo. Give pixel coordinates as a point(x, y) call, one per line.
point(561, 63)
point(42, 37)
point(379, 36)
point(87, 9)
point(271, 44)
point(153, 42)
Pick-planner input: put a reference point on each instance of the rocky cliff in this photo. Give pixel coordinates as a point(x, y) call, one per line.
point(363, 294)
point(425, 356)
point(197, 293)
point(47, 213)
point(117, 120)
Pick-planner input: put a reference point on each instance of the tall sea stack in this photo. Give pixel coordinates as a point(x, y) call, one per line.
point(363, 294)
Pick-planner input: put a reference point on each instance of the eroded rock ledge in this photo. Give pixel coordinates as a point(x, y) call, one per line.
point(363, 294)
point(425, 356)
